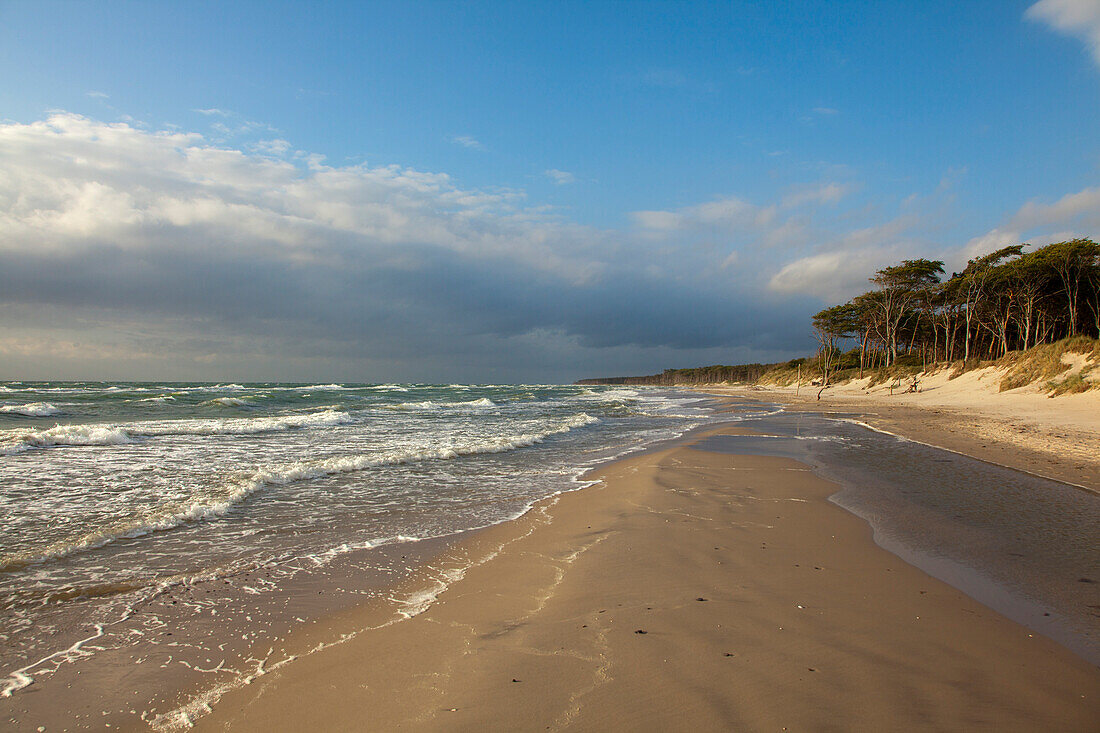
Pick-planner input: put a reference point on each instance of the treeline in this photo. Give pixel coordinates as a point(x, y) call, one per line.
point(699, 375)
point(1006, 300)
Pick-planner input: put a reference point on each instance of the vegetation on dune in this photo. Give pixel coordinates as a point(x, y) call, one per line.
point(1045, 362)
point(1007, 300)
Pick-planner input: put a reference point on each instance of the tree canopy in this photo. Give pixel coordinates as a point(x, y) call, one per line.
point(1008, 299)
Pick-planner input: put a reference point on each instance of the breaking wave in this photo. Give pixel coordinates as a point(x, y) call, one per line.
point(430, 405)
point(33, 409)
point(16, 441)
point(242, 487)
point(230, 402)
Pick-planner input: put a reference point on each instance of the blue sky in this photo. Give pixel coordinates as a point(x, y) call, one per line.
point(511, 191)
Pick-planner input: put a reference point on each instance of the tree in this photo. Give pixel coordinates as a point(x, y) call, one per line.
point(900, 286)
point(1074, 261)
point(1026, 279)
point(830, 325)
point(973, 283)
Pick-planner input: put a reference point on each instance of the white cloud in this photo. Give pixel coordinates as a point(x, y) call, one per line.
point(825, 111)
point(982, 245)
point(1080, 18)
point(729, 212)
point(276, 147)
point(213, 112)
point(467, 141)
point(827, 275)
point(822, 193)
point(1073, 215)
point(97, 95)
point(1082, 207)
point(838, 274)
point(560, 178)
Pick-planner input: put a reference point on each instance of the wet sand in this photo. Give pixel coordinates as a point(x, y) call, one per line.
point(688, 590)
point(1024, 429)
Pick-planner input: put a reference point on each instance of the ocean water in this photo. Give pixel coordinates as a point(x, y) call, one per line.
point(115, 496)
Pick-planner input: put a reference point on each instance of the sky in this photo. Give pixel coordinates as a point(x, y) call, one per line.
point(511, 192)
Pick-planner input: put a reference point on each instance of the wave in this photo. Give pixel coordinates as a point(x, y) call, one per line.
point(230, 402)
point(84, 435)
point(64, 435)
point(430, 405)
point(32, 409)
point(238, 490)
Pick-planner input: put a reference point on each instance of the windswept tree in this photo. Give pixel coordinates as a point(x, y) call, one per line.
point(1007, 299)
point(900, 287)
point(1092, 298)
point(1074, 261)
point(867, 310)
point(1027, 281)
point(973, 286)
point(831, 325)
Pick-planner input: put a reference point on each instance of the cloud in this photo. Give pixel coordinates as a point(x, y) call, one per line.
point(276, 147)
point(128, 252)
point(822, 193)
point(560, 178)
point(1080, 18)
point(729, 212)
point(1081, 208)
point(991, 241)
point(161, 252)
point(825, 111)
point(467, 141)
point(1073, 215)
point(839, 268)
point(842, 268)
point(232, 124)
point(97, 95)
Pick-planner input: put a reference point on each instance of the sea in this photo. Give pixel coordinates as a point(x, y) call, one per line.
point(137, 511)
point(164, 543)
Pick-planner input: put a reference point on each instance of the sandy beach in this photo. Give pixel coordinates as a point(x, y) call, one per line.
point(688, 590)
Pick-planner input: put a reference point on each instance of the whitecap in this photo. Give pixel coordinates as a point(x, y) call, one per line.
point(32, 409)
point(75, 435)
point(230, 402)
point(431, 405)
point(15, 441)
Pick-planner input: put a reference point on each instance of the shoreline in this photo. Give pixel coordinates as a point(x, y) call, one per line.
point(541, 576)
point(447, 571)
point(1056, 439)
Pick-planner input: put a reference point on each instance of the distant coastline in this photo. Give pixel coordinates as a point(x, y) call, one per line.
point(717, 374)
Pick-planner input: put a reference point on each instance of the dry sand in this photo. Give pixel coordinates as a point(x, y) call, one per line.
point(687, 591)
